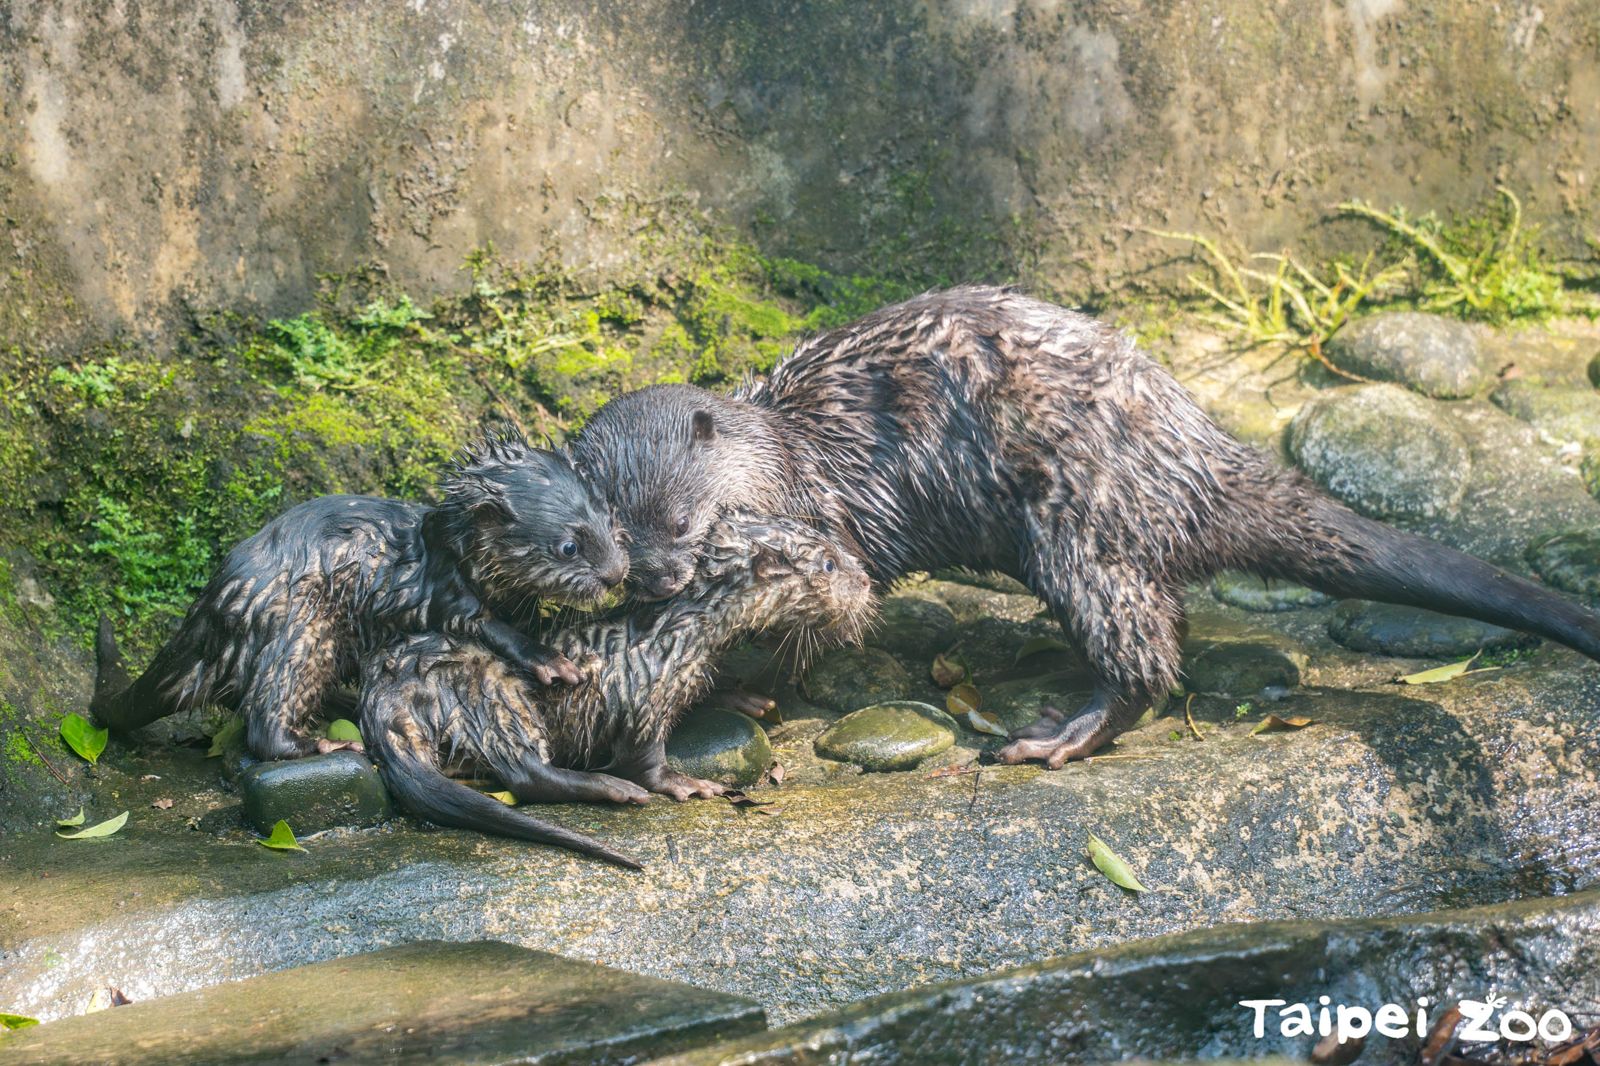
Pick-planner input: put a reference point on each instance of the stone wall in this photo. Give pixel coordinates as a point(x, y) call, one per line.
point(163, 156)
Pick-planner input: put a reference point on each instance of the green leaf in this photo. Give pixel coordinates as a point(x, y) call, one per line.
point(281, 838)
point(101, 829)
point(1035, 645)
point(69, 823)
point(16, 1021)
point(504, 797)
point(342, 729)
point(82, 737)
point(1272, 723)
point(222, 739)
point(1112, 865)
point(1445, 673)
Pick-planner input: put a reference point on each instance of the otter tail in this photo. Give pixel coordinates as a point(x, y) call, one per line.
point(423, 790)
point(176, 679)
point(1334, 550)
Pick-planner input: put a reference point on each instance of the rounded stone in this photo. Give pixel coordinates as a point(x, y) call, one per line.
point(1017, 702)
point(1391, 629)
point(916, 627)
point(1563, 414)
point(318, 792)
point(1385, 452)
point(1435, 356)
point(1569, 561)
point(888, 736)
point(1253, 593)
point(1594, 370)
point(851, 678)
point(1242, 669)
point(720, 745)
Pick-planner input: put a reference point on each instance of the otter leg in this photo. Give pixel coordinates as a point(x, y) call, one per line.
point(1129, 625)
point(540, 782)
point(735, 697)
point(289, 684)
point(546, 665)
point(647, 765)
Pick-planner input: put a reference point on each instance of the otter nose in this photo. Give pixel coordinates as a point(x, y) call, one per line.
point(660, 586)
point(615, 574)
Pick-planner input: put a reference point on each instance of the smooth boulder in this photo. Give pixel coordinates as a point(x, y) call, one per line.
point(1435, 356)
point(721, 746)
point(318, 792)
point(889, 736)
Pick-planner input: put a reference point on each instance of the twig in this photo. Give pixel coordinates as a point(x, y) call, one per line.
point(35, 748)
point(977, 776)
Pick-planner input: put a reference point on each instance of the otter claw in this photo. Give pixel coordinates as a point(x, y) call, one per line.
point(1056, 739)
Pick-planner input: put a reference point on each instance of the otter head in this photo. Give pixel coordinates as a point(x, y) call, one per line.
point(528, 524)
point(788, 578)
point(670, 459)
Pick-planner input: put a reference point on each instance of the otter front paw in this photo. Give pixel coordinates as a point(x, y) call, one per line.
point(668, 782)
point(549, 667)
point(742, 701)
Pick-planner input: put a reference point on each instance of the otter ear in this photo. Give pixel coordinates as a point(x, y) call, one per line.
point(479, 497)
point(770, 564)
point(705, 427)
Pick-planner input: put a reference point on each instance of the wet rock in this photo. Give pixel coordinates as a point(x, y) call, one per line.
point(1435, 356)
point(972, 602)
point(315, 793)
point(1017, 702)
point(990, 646)
point(985, 579)
point(1391, 629)
point(914, 626)
point(1383, 451)
point(1594, 370)
point(483, 1002)
point(1542, 948)
point(719, 745)
point(1241, 669)
point(848, 679)
point(889, 736)
point(1258, 594)
point(1561, 414)
point(1569, 561)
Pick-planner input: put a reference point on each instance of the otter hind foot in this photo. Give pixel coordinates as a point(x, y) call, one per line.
point(1057, 738)
point(668, 782)
point(543, 783)
point(742, 701)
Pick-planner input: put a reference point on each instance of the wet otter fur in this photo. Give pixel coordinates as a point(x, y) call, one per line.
point(978, 427)
point(435, 693)
point(292, 608)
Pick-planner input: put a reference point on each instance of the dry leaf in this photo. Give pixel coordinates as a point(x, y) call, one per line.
point(962, 699)
point(1331, 1051)
point(1034, 645)
point(1274, 723)
point(1441, 1038)
point(981, 722)
point(738, 798)
point(162, 804)
point(947, 671)
point(149, 777)
point(775, 773)
point(1188, 717)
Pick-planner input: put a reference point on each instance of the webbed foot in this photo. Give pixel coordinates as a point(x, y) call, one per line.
point(1056, 738)
point(666, 781)
point(741, 700)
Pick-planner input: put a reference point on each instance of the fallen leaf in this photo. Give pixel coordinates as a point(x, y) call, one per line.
point(281, 838)
point(1035, 645)
point(1332, 1051)
point(101, 829)
point(106, 998)
point(771, 808)
point(981, 722)
point(149, 777)
point(963, 698)
point(946, 671)
point(82, 737)
point(16, 1021)
point(1441, 1038)
point(1112, 865)
point(162, 804)
point(1188, 717)
point(342, 729)
point(1273, 723)
point(231, 730)
point(738, 798)
point(74, 821)
point(774, 773)
point(504, 797)
point(1445, 673)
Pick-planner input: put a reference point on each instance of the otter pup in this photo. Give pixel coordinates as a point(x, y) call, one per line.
point(292, 608)
point(428, 692)
point(980, 428)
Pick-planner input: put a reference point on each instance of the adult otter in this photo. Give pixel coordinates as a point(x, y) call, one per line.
point(432, 692)
point(293, 607)
point(981, 428)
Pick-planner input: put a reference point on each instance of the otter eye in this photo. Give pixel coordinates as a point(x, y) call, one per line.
point(569, 548)
point(827, 565)
point(683, 524)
